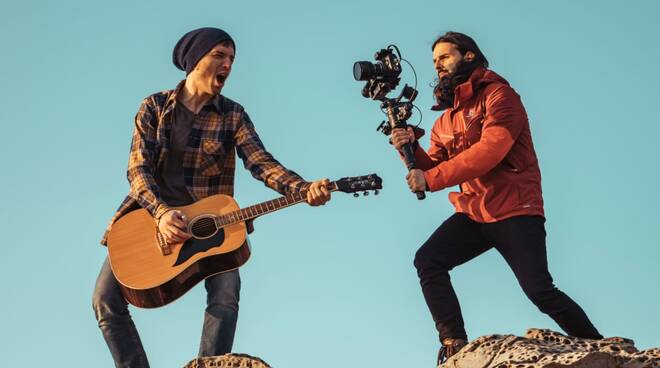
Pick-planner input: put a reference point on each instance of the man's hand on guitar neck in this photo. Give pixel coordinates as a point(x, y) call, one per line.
point(318, 193)
point(173, 225)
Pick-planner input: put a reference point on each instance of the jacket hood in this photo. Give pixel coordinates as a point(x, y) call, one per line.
point(479, 78)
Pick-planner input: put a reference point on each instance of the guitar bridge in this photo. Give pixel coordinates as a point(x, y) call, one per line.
point(162, 244)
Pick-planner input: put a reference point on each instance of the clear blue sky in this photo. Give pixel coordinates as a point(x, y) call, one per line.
point(333, 285)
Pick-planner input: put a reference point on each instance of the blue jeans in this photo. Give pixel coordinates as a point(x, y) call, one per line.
point(120, 334)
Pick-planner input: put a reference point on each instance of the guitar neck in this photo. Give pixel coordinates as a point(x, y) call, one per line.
point(259, 209)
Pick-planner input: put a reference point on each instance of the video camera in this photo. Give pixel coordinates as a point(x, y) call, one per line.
point(381, 77)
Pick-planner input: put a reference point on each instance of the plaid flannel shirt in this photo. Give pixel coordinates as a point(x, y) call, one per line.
point(209, 160)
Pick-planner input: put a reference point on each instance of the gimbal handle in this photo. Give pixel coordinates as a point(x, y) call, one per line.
point(409, 158)
point(395, 121)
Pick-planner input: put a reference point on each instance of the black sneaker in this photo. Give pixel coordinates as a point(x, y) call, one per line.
point(449, 348)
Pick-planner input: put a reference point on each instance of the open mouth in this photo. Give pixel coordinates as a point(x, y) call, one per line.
point(221, 78)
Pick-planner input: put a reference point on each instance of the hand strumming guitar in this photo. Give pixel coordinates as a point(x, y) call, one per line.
point(173, 225)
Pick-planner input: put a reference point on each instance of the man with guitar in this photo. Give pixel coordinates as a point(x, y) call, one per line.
point(183, 151)
point(483, 144)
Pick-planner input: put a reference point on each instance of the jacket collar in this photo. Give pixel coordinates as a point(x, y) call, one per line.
point(466, 90)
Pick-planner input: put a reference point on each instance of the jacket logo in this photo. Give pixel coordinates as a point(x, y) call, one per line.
point(470, 113)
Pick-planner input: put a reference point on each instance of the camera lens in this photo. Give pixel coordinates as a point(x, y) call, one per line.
point(363, 70)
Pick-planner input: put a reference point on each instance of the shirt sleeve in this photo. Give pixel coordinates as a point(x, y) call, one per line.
point(142, 162)
point(261, 164)
point(504, 119)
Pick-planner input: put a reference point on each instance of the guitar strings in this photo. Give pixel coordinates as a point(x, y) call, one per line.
point(206, 227)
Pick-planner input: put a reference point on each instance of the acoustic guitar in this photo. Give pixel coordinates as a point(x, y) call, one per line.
point(152, 273)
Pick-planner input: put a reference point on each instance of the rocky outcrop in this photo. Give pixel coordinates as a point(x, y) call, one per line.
point(549, 349)
point(228, 361)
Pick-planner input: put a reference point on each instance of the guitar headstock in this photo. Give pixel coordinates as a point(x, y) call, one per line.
point(357, 184)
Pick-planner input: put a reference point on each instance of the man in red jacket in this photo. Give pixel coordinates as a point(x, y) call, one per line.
point(483, 144)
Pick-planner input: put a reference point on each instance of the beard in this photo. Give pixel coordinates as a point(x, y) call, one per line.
point(444, 89)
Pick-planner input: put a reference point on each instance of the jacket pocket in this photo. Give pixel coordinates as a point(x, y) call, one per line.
point(211, 157)
point(515, 161)
point(473, 129)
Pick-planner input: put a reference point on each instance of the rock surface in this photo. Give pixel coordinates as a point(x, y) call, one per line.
point(549, 349)
point(228, 361)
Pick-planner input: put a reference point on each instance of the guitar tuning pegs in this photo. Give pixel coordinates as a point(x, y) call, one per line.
point(366, 193)
point(356, 195)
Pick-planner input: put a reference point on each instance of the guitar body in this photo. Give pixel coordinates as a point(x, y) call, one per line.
point(152, 274)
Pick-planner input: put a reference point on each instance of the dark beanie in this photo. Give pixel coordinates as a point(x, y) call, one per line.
point(195, 44)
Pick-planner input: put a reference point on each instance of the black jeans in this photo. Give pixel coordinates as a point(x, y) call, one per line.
point(521, 241)
point(120, 334)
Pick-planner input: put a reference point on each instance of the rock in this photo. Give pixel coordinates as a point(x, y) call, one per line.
point(228, 361)
point(548, 349)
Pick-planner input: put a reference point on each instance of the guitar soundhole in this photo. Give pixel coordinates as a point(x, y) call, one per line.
point(203, 227)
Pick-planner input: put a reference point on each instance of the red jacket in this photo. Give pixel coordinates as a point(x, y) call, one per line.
point(484, 145)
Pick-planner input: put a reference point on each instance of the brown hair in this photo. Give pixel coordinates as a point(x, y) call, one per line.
point(464, 43)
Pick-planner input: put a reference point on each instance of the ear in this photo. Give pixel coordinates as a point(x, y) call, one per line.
point(469, 56)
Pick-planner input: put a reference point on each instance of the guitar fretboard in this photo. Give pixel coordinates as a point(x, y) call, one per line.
point(262, 208)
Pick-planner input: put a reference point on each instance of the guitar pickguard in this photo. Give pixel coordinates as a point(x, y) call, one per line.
point(193, 246)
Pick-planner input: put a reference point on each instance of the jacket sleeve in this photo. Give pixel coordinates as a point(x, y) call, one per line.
point(261, 164)
point(504, 119)
point(142, 162)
